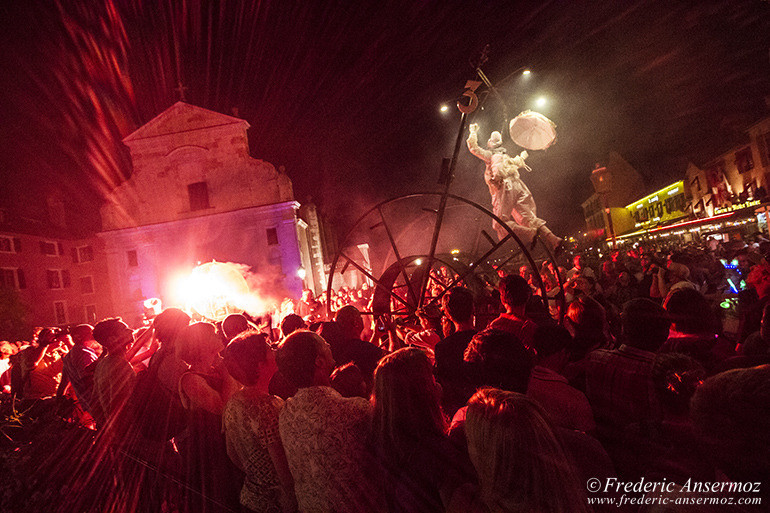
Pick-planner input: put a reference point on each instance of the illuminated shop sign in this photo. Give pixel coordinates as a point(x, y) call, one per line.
point(737, 206)
point(661, 206)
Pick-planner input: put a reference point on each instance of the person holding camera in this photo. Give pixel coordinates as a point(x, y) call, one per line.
point(35, 370)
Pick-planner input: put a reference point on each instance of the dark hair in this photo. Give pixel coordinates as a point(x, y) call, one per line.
point(244, 354)
point(291, 323)
point(432, 315)
point(730, 413)
point(349, 381)
point(349, 319)
point(297, 355)
point(690, 312)
point(675, 377)
point(549, 339)
point(514, 290)
point(234, 324)
point(105, 331)
point(498, 358)
point(82, 332)
point(645, 324)
point(197, 341)
point(406, 403)
point(331, 332)
point(169, 323)
point(40, 333)
point(587, 318)
point(458, 304)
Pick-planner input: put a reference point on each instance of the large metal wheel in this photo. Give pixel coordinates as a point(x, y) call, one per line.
point(420, 245)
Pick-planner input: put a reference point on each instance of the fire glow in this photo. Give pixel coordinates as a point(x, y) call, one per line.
point(215, 290)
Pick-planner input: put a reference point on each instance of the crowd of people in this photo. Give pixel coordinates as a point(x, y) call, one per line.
point(626, 371)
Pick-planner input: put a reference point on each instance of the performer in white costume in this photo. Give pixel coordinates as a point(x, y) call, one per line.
point(511, 200)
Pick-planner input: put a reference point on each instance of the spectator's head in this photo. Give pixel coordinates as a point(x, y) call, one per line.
point(169, 324)
point(307, 295)
point(233, 325)
point(578, 262)
point(430, 317)
point(624, 279)
point(524, 272)
point(731, 415)
point(690, 312)
point(349, 381)
point(331, 332)
point(743, 259)
point(6, 350)
point(645, 324)
point(514, 291)
point(678, 271)
point(582, 285)
point(350, 320)
point(458, 304)
point(675, 378)
point(551, 342)
point(198, 344)
point(759, 279)
point(518, 459)
point(499, 359)
point(305, 359)
point(292, 323)
point(82, 333)
point(248, 357)
point(586, 320)
point(44, 336)
point(406, 401)
point(113, 334)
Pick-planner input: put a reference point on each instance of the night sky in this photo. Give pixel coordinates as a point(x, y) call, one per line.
point(346, 95)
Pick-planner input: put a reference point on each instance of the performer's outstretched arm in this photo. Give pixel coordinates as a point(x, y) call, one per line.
point(473, 145)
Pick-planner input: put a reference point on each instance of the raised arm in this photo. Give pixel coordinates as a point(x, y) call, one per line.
point(473, 145)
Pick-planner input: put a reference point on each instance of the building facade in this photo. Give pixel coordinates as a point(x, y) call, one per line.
point(48, 276)
point(738, 176)
point(627, 184)
point(196, 195)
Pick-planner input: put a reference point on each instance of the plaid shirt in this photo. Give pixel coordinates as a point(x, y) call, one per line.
point(522, 328)
point(619, 387)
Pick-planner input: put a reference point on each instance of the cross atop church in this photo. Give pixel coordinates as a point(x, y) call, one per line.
point(181, 89)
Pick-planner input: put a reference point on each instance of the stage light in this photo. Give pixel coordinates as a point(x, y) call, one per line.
point(418, 261)
point(301, 273)
point(444, 108)
point(526, 72)
point(541, 101)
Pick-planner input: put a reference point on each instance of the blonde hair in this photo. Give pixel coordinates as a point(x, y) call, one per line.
point(519, 461)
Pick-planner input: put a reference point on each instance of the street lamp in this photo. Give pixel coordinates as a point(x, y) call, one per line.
point(601, 179)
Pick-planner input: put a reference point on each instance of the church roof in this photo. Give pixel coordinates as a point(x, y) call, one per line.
point(182, 117)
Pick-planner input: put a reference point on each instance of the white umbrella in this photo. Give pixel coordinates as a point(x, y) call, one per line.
point(532, 130)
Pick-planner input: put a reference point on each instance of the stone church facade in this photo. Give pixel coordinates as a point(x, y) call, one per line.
point(196, 195)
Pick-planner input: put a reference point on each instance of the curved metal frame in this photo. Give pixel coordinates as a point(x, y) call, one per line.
point(431, 256)
point(456, 267)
